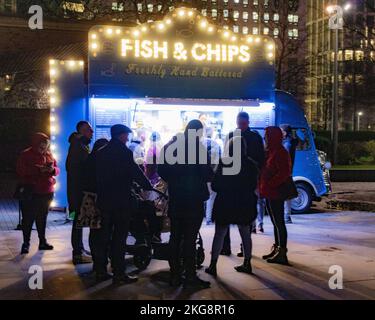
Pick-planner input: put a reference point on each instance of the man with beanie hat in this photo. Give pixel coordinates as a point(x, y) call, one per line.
point(115, 172)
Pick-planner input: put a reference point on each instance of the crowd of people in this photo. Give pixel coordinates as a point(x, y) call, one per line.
point(195, 190)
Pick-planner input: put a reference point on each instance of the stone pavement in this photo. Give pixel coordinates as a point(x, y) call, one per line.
point(317, 242)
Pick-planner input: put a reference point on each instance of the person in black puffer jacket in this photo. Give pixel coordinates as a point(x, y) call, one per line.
point(235, 204)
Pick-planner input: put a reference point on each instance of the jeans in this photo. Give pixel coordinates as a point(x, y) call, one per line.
point(210, 203)
point(275, 209)
point(35, 210)
point(261, 207)
point(182, 243)
point(288, 210)
point(110, 241)
point(76, 238)
point(220, 234)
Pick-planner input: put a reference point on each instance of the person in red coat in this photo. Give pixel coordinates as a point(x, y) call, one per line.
point(276, 171)
point(36, 169)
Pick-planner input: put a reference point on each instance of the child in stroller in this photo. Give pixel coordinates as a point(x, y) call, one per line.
point(148, 222)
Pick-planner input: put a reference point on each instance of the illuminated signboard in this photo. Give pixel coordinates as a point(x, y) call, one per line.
point(181, 56)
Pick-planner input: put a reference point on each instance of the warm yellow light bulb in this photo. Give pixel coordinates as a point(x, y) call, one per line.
point(271, 47)
point(181, 13)
point(51, 90)
point(81, 63)
point(109, 31)
point(144, 29)
point(168, 21)
point(270, 55)
point(190, 13)
point(53, 72)
point(136, 33)
point(257, 40)
point(226, 34)
point(52, 62)
point(234, 38)
point(94, 36)
point(250, 40)
point(94, 45)
point(72, 64)
point(53, 100)
point(210, 29)
point(118, 31)
point(161, 26)
point(53, 118)
point(203, 24)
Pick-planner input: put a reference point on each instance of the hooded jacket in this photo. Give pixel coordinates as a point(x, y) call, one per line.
point(29, 163)
point(75, 162)
point(277, 168)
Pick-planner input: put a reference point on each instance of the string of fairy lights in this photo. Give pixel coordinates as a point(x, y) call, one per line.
point(193, 16)
point(55, 70)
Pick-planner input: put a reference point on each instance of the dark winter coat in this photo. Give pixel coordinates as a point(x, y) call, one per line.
point(187, 184)
point(235, 202)
point(254, 144)
point(78, 153)
point(115, 173)
point(278, 166)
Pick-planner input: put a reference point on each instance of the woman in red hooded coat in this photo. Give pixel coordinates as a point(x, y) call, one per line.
point(275, 173)
point(36, 169)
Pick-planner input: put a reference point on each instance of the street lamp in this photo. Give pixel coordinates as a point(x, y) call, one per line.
point(360, 114)
point(336, 23)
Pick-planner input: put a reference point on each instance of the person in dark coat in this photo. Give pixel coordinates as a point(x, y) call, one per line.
point(187, 188)
point(276, 171)
point(78, 152)
point(255, 152)
point(115, 173)
point(290, 144)
point(95, 236)
point(235, 204)
point(36, 170)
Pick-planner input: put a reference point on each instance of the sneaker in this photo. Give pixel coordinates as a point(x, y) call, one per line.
point(45, 246)
point(124, 279)
point(81, 259)
point(280, 257)
point(25, 248)
point(196, 283)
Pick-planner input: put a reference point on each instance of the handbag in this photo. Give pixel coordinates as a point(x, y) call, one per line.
point(89, 213)
point(288, 190)
point(23, 192)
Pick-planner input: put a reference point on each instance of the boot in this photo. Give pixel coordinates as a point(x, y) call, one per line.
point(44, 245)
point(196, 283)
point(280, 257)
point(212, 269)
point(25, 248)
point(273, 252)
point(124, 279)
point(245, 267)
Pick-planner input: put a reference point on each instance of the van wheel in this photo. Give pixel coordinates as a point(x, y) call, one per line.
point(303, 202)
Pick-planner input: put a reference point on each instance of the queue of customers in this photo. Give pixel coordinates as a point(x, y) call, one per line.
point(110, 169)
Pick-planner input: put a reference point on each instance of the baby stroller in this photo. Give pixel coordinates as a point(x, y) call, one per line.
point(149, 220)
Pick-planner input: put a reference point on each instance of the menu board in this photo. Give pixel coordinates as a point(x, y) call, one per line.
point(106, 117)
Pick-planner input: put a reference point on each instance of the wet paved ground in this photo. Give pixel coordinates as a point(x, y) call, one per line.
point(317, 242)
